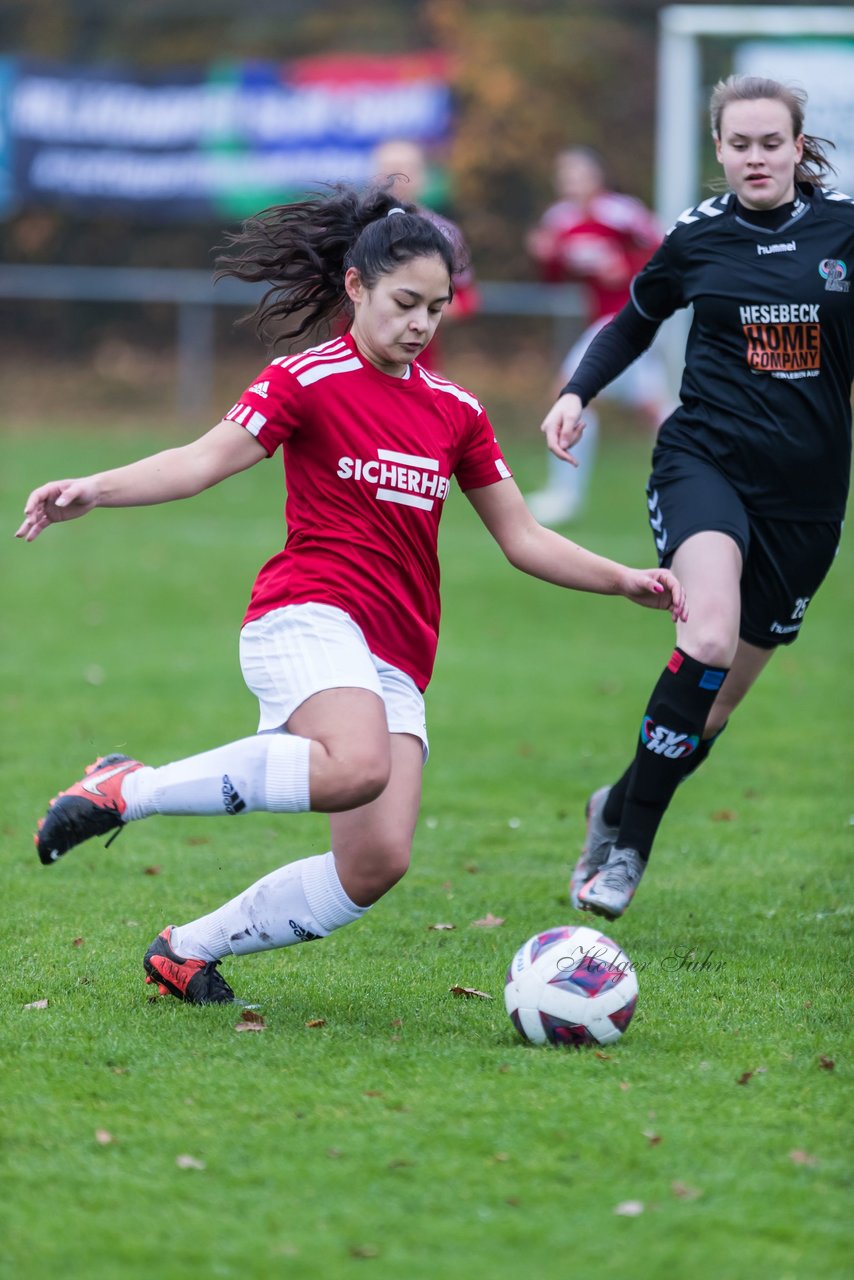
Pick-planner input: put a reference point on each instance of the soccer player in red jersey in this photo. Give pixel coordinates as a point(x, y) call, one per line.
point(750, 472)
point(341, 630)
point(600, 239)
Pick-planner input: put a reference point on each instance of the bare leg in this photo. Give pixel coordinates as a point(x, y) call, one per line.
point(749, 663)
point(372, 844)
point(312, 897)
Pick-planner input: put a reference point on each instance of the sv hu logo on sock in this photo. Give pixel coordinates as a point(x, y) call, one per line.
point(231, 796)
point(667, 742)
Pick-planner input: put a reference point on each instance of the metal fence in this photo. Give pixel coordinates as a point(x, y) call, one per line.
point(195, 298)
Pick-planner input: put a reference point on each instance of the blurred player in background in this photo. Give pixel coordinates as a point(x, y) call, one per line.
point(404, 164)
point(340, 635)
point(597, 238)
point(750, 473)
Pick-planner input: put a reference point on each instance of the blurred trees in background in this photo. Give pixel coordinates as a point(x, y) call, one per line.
point(530, 77)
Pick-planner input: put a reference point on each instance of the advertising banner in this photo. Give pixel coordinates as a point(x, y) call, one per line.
point(224, 140)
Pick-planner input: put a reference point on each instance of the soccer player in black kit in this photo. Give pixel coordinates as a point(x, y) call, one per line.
point(750, 473)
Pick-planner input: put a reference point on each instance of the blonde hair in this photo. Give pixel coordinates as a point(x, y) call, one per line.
point(814, 165)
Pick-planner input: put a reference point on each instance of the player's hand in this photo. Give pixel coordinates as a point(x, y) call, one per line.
point(563, 427)
point(55, 501)
point(656, 589)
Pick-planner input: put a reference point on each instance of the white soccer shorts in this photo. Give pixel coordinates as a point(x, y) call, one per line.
point(301, 649)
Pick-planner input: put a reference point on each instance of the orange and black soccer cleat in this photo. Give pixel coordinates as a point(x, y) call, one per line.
point(92, 807)
point(196, 981)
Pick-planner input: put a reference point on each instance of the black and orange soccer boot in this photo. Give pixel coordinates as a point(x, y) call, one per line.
point(196, 981)
point(92, 807)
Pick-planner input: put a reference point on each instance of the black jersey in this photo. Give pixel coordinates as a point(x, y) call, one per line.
point(766, 390)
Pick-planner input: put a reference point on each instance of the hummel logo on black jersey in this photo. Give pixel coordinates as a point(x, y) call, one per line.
point(788, 246)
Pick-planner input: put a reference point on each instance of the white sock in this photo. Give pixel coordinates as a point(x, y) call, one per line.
point(297, 903)
point(268, 772)
point(575, 481)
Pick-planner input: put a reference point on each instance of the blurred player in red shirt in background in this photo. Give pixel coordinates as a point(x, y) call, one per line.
point(600, 239)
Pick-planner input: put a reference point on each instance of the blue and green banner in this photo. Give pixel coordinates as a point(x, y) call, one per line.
point(220, 141)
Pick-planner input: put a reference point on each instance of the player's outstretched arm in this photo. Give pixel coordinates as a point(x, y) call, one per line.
point(162, 477)
point(545, 554)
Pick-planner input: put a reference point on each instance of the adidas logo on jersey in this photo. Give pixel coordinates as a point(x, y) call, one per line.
point(260, 389)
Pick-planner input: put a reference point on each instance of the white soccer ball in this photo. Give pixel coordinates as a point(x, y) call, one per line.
point(571, 986)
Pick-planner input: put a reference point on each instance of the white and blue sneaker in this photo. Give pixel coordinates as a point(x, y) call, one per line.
point(612, 888)
point(599, 840)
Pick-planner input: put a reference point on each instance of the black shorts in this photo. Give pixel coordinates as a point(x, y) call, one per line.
point(785, 562)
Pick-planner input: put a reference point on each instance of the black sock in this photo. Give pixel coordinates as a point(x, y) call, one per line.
point(612, 813)
point(670, 734)
point(694, 761)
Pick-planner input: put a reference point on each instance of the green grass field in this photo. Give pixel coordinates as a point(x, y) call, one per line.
point(412, 1134)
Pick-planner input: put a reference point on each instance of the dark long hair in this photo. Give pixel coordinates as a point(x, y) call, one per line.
point(814, 165)
point(303, 250)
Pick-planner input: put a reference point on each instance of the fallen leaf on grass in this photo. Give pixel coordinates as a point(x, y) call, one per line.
point(364, 1251)
point(802, 1157)
point(723, 815)
point(77, 942)
point(489, 921)
point(826, 1064)
point(103, 1137)
point(316, 1022)
point(189, 1162)
point(372, 1093)
point(250, 1021)
point(36, 1004)
point(652, 1138)
point(625, 1085)
point(603, 1057)
point(441, 926)
point(401, 1164)
point(748, 1075)
point(469, 992)
point(629, 1208)
point(683, 1192)
point(152, 871)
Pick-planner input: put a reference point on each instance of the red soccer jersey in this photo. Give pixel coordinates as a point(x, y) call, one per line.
point(602, 245)
point(368, 460)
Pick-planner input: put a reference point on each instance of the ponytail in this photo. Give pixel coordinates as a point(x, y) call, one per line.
point(303, 251)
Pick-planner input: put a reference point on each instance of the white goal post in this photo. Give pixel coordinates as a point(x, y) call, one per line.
point(682, 99)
